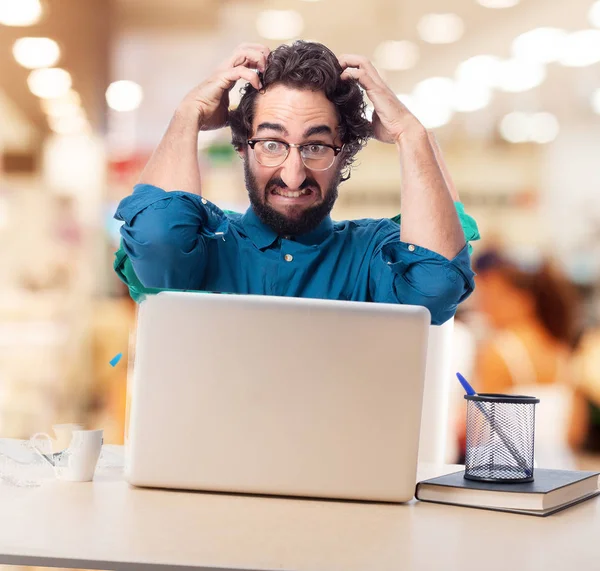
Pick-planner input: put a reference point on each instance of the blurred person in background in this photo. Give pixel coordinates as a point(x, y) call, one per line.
point(533, 312)
point(587, 436)
point(299, 125)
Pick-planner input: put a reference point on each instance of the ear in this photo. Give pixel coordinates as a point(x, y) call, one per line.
point(242, 152)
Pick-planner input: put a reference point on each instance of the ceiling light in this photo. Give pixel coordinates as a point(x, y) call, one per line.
point(440, 28)
point(279, 24)
point(63, 105)
point(432, 101)
point(469, 97)
point(20, 12)
point(68, 105)
point(482, 69)
point(516, 75)
point(34, 53)
point(124, 95)
point(514, 127)
point(596, 101)
point(49, 82)
point(63, 109)
point(396, 55)
point(442, 92)
point(594, 14)
point(432, 117)
point(497, 4)
point(434, 89)
point(581, 49)
point(541, 45)
point(69, 125)
point(543, 128)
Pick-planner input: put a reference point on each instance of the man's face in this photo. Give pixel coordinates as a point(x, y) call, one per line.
point(292, 198)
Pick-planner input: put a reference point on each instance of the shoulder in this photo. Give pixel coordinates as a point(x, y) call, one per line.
point(216, 216)
point(234, 217)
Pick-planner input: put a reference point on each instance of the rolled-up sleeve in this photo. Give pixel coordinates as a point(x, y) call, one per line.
point(413, 275)
point(164, 235)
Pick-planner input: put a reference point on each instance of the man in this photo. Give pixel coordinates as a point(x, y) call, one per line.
point(298, 127)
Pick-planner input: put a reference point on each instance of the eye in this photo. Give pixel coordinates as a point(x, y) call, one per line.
point(273, 147)
point(316, 150)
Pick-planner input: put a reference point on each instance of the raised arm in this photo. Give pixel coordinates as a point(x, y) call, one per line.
point(429, 218)
point(174, 163)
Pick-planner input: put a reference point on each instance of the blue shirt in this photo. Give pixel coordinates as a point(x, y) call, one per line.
point(178, 240)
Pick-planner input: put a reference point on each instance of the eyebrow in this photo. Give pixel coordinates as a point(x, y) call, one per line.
point(315, 130)
point(273, 127)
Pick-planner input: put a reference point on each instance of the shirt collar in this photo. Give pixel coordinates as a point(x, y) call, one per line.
point(263, 236)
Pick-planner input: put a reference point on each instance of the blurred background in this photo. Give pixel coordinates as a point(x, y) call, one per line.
point(511, 88)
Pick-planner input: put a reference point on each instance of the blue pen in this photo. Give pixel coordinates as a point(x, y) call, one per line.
point(468, 388)
point(506, 441)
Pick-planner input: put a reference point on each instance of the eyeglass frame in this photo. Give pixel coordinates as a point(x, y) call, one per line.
point(336, 150)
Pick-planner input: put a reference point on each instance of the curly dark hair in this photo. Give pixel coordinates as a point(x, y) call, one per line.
point(312, 66)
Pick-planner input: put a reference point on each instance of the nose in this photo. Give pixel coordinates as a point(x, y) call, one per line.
point(293, 171)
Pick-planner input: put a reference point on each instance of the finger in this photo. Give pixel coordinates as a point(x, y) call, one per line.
point(259, 47)
point(353, 73)
point(350, 61)
point(255, 53)
point(249, 58)
point(363, 78)
point(241, 72)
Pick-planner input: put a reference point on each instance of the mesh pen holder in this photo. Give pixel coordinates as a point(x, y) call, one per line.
point(500, 438)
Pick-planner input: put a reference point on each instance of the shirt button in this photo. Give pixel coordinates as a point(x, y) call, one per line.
point(204, 201)
point(288, 257)
point(411, 248)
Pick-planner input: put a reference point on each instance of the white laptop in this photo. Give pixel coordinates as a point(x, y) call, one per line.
point(277, 395)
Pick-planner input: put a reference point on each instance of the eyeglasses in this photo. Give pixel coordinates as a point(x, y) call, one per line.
point(315, 156)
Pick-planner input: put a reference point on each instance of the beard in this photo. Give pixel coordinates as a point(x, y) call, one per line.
point(306, 219)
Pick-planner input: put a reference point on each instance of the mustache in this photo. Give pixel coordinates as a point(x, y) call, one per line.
point(277, 182)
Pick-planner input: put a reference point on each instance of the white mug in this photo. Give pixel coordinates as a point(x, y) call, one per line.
point(64, 434)
point(78, 462)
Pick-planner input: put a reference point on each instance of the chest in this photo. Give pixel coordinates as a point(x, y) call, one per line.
point(331, 270)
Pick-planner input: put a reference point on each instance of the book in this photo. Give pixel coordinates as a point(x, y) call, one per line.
point(551, 491)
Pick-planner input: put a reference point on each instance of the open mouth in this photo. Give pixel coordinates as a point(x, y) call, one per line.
point(292, 194)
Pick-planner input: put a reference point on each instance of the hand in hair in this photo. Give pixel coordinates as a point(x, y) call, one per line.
point(211, 98)
point(391, 119)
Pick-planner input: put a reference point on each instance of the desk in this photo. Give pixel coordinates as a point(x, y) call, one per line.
point(108, 525)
